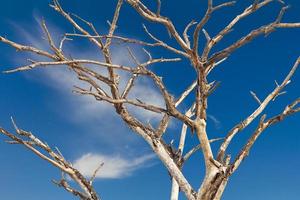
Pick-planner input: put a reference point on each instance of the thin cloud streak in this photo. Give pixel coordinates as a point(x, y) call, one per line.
point(216, 122)
point(114, 166)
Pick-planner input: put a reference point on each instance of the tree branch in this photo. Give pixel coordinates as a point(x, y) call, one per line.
point(239, 127)
point(263, 125)
point(53, 158)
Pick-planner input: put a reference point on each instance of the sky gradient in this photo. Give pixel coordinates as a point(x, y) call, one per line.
point(86, 131)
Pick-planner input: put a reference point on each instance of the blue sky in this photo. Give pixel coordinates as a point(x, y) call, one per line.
point(41, 101)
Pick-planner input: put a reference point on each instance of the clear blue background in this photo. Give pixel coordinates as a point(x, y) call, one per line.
point(270, 172)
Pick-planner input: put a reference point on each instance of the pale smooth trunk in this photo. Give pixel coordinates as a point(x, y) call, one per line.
point(174, 190)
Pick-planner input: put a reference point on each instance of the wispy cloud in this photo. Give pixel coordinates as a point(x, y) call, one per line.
point(216, 122)
point(144, 88)
point(114, 166)
point(62, 79)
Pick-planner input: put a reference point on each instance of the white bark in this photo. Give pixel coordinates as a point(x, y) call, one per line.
point(189, 113)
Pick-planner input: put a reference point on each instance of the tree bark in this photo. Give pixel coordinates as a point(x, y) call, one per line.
point(213, 186)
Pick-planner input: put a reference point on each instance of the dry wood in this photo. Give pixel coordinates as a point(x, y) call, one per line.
point(217, 169)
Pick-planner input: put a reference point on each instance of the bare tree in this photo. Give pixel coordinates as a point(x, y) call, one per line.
point(219, 165)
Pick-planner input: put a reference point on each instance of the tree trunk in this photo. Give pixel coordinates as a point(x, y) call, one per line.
point(213, 186)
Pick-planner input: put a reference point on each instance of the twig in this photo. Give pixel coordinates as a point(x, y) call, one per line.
point(255, 97)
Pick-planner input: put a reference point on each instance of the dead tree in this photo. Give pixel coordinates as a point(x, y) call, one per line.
point(219, 165)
